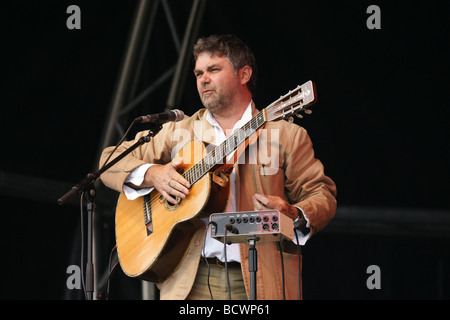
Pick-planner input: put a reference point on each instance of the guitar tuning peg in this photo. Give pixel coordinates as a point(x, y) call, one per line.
point(291, 119)
point(308, 111)
point(299, 115)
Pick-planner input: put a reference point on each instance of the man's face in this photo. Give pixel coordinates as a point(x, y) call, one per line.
point(216, 81)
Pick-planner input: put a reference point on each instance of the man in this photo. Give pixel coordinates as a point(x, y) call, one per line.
point(293, 183)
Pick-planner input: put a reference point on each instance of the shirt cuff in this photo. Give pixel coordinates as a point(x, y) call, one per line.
point(136, 177)
point(304, 234)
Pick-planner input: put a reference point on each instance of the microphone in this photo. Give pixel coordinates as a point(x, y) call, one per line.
point(163, 117)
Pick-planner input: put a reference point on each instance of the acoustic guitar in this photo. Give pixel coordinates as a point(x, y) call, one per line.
point(152, 234)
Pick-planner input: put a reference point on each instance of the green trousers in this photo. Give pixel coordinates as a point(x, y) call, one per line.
point(218, 282)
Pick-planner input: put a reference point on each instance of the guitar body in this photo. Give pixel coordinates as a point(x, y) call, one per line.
point(152, 251)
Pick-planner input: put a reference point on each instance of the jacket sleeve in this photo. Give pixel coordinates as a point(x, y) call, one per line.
point(157, 150)
point(306, 184)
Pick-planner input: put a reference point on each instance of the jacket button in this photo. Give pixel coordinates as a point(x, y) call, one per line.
point(197, 242)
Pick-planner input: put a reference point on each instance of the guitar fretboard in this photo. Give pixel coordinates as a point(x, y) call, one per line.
point(219, 153)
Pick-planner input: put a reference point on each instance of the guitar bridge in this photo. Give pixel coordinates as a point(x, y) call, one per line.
point(148, 215)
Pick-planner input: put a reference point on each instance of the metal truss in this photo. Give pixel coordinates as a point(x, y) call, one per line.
point(125, 98)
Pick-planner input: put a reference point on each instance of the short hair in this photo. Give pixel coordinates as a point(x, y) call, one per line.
point(234, 49)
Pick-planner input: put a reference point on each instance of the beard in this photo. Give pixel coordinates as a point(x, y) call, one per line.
point(216, 100)
point(212, 101)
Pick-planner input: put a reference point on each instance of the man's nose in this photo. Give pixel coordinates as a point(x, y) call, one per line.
point(205, 79)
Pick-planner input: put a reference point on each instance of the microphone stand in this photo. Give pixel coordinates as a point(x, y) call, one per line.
point(252, 265)
point(90, 194)
point(86, 187)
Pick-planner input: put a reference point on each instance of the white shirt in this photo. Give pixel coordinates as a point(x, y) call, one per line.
point(213, 247)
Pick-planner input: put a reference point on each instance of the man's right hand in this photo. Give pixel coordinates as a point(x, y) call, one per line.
point(167, 180)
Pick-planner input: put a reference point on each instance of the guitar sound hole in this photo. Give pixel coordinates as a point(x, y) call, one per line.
point(171, 206)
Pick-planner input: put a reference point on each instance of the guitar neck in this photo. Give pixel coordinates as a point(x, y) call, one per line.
point(291, 103)
point(219, 153)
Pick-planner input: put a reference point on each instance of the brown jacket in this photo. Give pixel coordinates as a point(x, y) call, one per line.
point(287, 170)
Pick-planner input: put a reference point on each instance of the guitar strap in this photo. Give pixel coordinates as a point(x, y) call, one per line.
point(221, 176)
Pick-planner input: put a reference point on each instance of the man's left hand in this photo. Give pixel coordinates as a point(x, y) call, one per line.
point(266, 202)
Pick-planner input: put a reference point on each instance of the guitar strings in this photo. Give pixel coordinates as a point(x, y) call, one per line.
point(224, 149)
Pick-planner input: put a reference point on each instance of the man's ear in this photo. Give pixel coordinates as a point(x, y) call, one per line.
point(245, 74)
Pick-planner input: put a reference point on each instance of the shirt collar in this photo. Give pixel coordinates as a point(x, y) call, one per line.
point(246, 117)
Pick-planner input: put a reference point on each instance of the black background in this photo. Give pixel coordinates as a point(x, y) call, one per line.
point(380, 126)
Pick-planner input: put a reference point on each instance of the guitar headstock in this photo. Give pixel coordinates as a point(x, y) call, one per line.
point(293, 102)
